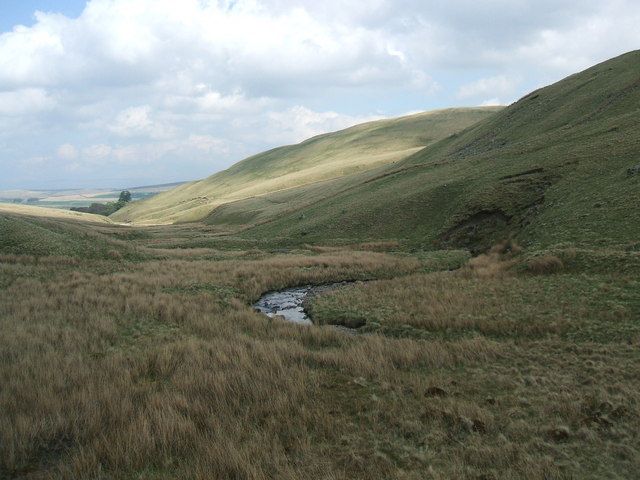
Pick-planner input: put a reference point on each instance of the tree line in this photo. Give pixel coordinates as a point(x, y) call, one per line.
point(108, 208)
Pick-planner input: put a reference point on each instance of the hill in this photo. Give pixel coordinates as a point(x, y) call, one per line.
point(41, 232)
point(560, 165)
point(320, 158)
point(11, 208)
point(68, 198)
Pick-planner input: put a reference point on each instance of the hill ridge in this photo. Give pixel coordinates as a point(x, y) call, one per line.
point(357, 148)
point(577, 138)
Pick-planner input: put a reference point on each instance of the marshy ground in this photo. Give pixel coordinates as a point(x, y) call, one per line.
point(142, 359)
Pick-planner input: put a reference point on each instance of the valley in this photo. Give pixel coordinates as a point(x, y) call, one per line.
point(485, 273)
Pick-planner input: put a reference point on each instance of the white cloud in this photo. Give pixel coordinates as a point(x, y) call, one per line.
point(25, 101)
point(299, 123)
point(208, 143)
point(132, 41)
point(191, 86)
point(137, 121)
point(67, 152)
point(499, 86)
point(96, 152)
point(132, 121)
point(491, 102)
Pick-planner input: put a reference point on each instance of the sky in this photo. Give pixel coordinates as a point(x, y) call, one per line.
point(123, 93)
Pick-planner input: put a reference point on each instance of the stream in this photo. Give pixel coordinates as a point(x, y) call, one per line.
point(289, 303)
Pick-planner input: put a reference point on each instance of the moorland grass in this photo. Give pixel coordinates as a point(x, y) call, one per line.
point(135, 352)
point(28, 210)
point(554, 167)
point(159, 367)
point(332, 155)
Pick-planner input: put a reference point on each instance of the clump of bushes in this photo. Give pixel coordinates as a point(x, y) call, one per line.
point(106, 209)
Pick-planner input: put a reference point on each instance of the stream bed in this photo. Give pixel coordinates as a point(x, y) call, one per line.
point(289, 303)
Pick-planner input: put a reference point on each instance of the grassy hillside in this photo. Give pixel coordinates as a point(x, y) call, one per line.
point(42, 232)
point(551, 168)
point(323, 157)
point(518, 363)
point(11, 208)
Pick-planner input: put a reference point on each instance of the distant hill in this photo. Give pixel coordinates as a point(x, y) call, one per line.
point(560, 165)
point(68, 198)
point(332, 155)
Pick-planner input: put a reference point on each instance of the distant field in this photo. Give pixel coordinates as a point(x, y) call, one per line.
point(66, 199)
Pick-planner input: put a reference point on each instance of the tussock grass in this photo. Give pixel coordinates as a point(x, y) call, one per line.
point(497, 262)
point(544, 264)
point(364, 246)
point(159, 367)
point(139, 370)
point(493, 296)
point(58, 236)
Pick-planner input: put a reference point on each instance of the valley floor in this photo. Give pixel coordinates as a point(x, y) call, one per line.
point(141, 359)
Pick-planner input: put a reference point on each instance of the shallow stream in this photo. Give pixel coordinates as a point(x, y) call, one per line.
point(289, 303)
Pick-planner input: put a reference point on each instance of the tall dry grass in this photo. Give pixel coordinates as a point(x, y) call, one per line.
point(109, 374)
point(161, 369)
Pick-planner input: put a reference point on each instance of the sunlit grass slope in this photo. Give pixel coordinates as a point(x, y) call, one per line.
point(12, 208)
point(51, 232)
point(320, 158)
point(557, 166)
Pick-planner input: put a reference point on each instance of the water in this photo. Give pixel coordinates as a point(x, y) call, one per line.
point(286, 304)
point(289, 303)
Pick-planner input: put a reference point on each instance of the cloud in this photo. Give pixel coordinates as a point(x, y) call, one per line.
point(208, 144)
point(125, 42)
point(491, 102)
point(192, 86)
point(299, 123)
point(96, 152)
point(495, 88)
point(138, 122)
point(25, 101)
point(67, 152)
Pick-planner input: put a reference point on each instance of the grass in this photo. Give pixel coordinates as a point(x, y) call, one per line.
point(494, 302)
point(18, 209)
point(58, 236)
point(549, 169)
point(159, 368)
point(131, 352)
point(320, 158)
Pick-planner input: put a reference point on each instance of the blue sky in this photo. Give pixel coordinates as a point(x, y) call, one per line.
point(117, 93)
point(21, 12)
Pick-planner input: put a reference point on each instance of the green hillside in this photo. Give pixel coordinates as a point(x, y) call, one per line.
point(323, 157)
point(136, 352)
point(38, 211)
point(551, 168)
point(59, 235)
